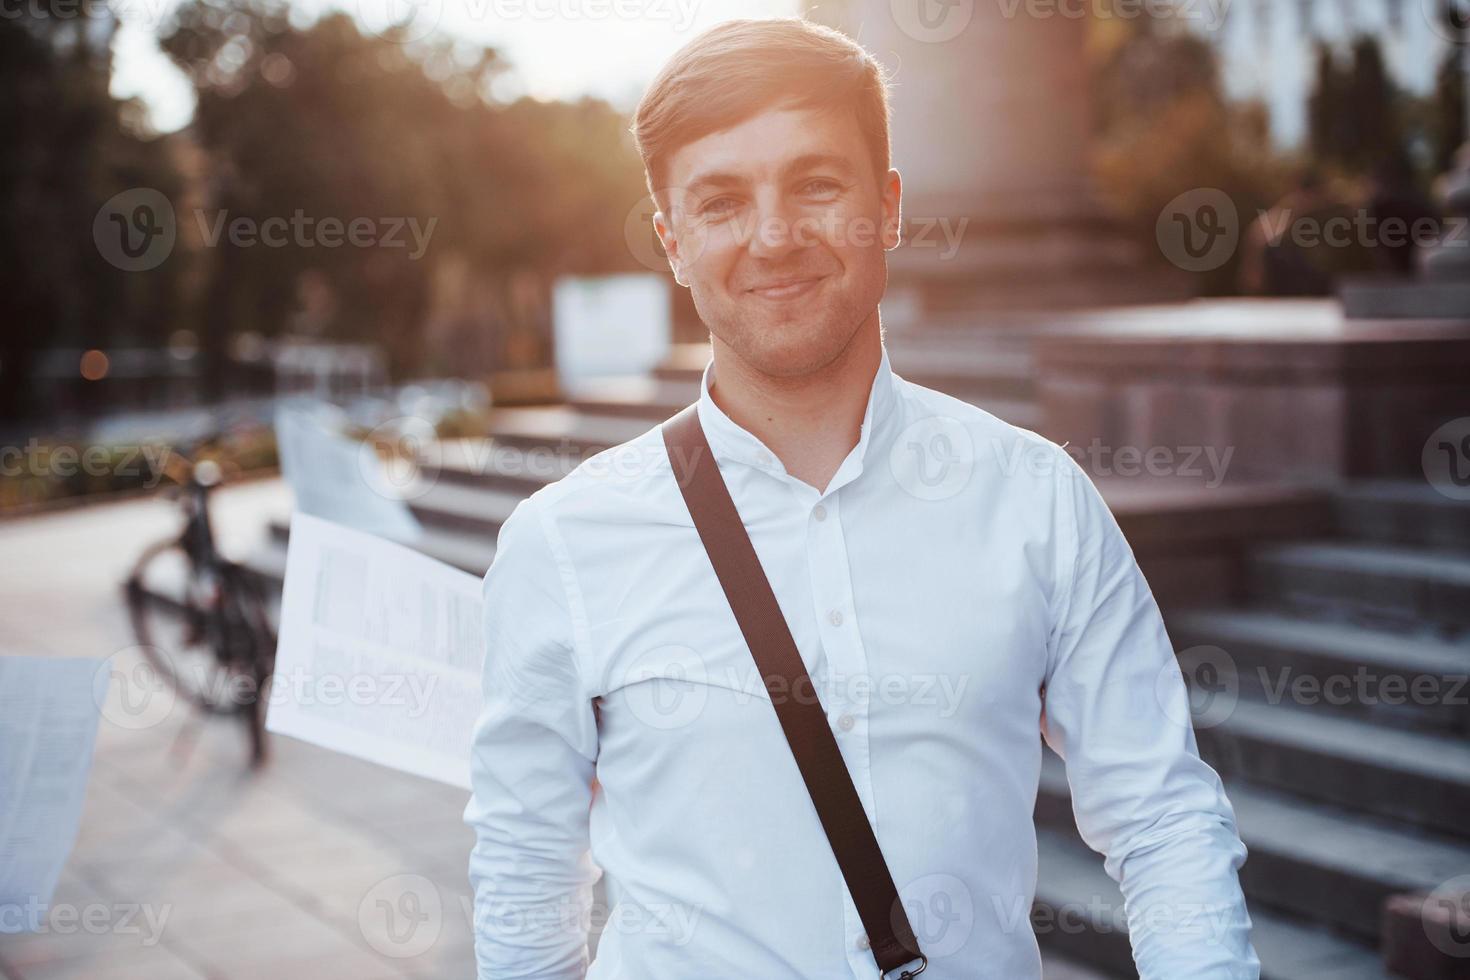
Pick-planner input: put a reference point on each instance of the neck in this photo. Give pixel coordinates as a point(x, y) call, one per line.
point(811, 422)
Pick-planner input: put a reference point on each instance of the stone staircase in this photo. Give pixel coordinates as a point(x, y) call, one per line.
point(1343, 802)
point(1343, 746)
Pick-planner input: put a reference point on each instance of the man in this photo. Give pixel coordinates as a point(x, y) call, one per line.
point(938, 569)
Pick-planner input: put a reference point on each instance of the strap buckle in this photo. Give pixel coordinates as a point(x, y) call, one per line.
point(907, 973)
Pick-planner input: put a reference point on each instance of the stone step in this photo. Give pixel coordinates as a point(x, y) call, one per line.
point(486, 463)
point(1366, 582)
point(562, 431)
point(639, 397)
point(1402, 512)
point(1404, 681)
point(656, 398)
point(1319, 863)
point(1079, 914)
point(1422, 778)
point(998, 368)
point(473, 511)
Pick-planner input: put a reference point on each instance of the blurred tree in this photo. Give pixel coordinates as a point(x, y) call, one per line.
point(1165, 128)
point(1356, 113)
point(324, 122)
point(69, 148)
point(1446, 124)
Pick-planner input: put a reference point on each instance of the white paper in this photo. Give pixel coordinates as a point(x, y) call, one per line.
point(611, 325)
point(379, 654)
point(335, 477)
point(49, 708)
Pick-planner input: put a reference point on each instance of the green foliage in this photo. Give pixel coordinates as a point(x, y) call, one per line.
point(1165, 128)
point(329, 122)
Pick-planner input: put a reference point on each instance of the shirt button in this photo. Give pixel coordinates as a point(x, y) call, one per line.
point(819, 512)
point(846, 722)
point(863, 941)
point(765, 458)
point(835, 617)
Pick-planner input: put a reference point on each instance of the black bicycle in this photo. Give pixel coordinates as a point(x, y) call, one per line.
point(204, 622)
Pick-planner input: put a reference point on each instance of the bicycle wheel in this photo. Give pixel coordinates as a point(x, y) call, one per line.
point(250, 647)
point(190, 626)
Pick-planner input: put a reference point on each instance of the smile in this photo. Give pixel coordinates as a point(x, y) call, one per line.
point(786, 288)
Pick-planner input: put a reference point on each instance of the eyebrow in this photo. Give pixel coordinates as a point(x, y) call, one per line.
point(807, 161)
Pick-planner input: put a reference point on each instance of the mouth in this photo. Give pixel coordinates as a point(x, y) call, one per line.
point(786, 288)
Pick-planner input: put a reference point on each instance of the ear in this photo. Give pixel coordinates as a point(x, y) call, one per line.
point(892, 213)
point(670, 242)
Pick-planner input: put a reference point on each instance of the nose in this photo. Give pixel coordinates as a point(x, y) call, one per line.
point(771, 234)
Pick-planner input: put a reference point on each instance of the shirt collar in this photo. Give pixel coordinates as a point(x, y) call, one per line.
point(729, 440)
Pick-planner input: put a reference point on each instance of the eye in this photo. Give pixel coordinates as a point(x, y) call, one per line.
point(821, 187)
point(720, 206)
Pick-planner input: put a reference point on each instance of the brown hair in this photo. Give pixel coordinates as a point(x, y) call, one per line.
point(739, 68)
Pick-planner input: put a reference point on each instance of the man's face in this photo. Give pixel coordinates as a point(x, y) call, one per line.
point(778, 226)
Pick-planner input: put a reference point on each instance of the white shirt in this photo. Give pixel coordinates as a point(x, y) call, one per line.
point(953, 567)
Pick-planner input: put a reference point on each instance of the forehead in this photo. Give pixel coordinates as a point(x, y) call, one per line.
point(762, 146)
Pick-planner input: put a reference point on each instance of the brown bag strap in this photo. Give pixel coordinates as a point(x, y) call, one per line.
point(804, 721)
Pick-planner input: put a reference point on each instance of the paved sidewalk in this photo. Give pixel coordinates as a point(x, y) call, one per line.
point(188, 866)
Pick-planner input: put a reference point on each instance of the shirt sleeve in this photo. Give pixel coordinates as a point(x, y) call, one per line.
point(1117, 711)
point(531, 769)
